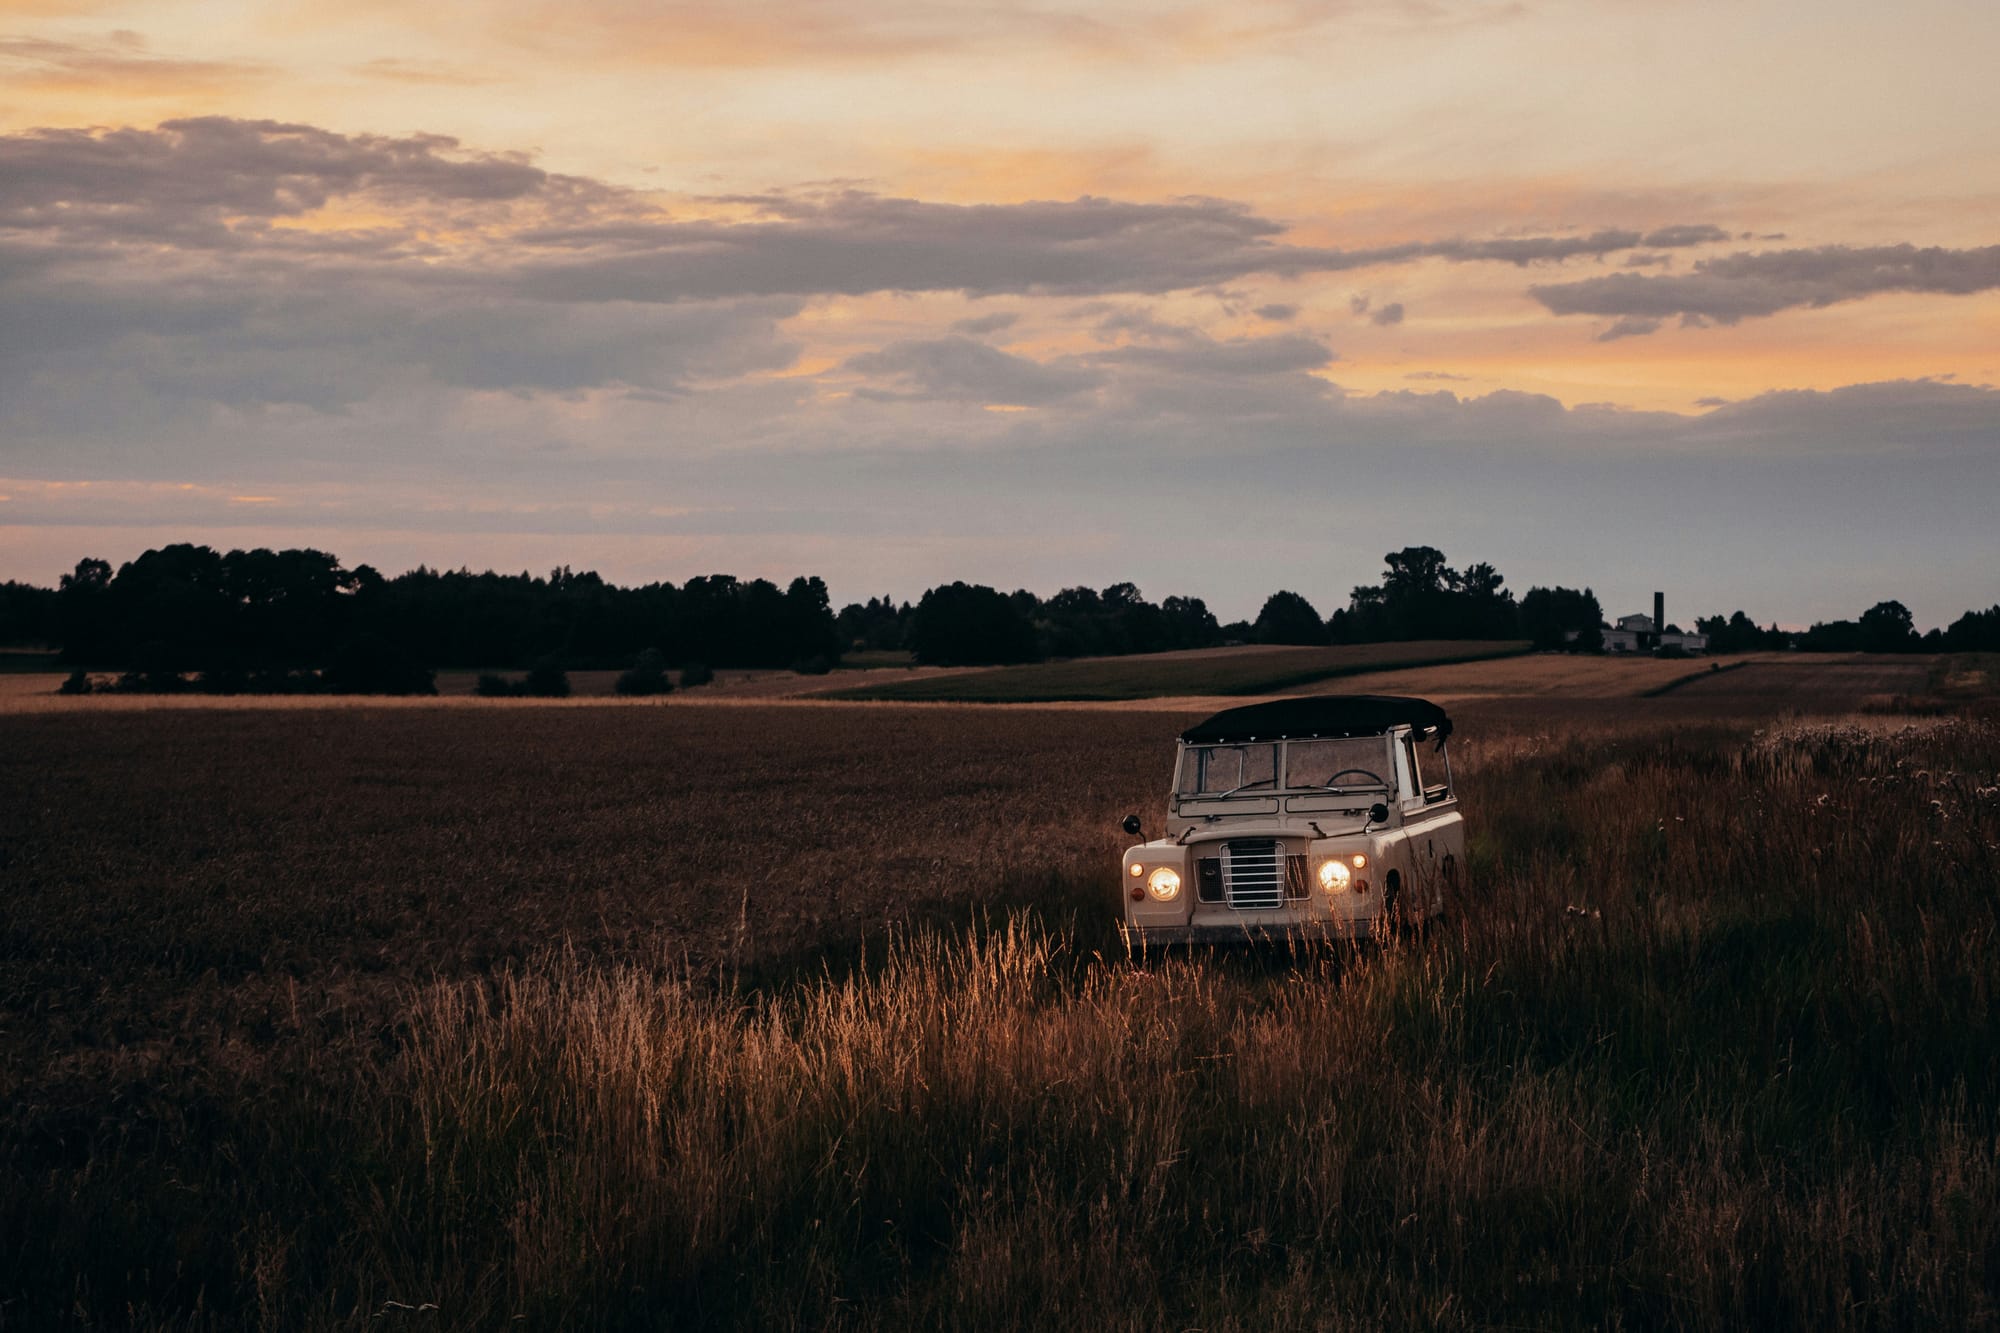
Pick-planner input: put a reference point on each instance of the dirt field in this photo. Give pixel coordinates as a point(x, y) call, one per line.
point(468, 1014)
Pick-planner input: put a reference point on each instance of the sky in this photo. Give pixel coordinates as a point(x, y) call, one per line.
point(1217, 299)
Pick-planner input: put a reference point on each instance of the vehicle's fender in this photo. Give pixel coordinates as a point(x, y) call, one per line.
point(1392, 858)
point(1436, 853)
point(1147, 910)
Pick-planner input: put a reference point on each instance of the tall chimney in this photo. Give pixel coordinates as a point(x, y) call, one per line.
point(1659, 613)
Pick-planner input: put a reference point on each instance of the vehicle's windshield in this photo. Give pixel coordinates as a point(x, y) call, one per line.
point(1216, 770)
point(1348, 763)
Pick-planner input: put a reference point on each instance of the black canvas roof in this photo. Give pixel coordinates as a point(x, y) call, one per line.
point(1319, 715)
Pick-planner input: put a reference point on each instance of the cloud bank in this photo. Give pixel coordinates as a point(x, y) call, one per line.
point(1747, 286)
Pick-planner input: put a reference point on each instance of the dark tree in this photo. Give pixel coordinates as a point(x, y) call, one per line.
point(1422, 597)
point(965, 624)
point(368, 664)
point(1832, 636)
point(1975, 631)
point(546, 679)
point(877, 626)
point(27, 615)
point(1414, 573)
point(1739, 634)
point(1289, 618)
point(648, 675)
point(1549, 616)
point(1887, 627)
point(1189, 623)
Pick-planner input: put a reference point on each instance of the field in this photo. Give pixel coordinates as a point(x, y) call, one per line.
point(631, 1016)
point(1256, 669)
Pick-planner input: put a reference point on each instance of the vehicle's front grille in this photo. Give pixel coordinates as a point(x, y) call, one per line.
point(1253, 874)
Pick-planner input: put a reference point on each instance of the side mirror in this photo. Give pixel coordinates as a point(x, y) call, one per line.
point(1132, 825)
point(1378, 813)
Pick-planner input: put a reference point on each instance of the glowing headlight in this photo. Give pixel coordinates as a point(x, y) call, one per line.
point(1361, 860)
point(1333, 876)
point(1164, 884)
point(1137, 870)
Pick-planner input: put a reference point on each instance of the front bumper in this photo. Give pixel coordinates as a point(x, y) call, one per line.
point(1303, 931)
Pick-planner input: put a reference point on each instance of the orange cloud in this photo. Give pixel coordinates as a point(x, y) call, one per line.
point(424, 72)
point(120, 64)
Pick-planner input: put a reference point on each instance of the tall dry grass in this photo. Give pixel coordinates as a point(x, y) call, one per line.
point(1709, 1041)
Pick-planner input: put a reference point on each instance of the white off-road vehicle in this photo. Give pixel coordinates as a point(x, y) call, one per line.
point(1331, 817)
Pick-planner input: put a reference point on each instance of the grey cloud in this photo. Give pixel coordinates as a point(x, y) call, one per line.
point(1744, 286)
point(1683, 235)
point(1199, 356)
point(213, 183)
point(1524, 250)
point(1387, 315)
point(1135, 322)
point(520, 348)
point(1359, 304)
point(237, 342)
point(1645, 259)
point(186, 177)
point(1187, 377)
point(1276, 312)
point(1435, 375)
point(961, 370)
point(985, 324)
point(852, 242)
point(1631, 326)
point(1898, 414)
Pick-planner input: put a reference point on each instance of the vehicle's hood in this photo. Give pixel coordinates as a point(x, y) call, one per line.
point(1204, 833)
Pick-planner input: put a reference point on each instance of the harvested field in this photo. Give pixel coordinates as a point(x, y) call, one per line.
point(1246, 670)
point(583, 1017)
point(1534, 675)
point(1855, 681)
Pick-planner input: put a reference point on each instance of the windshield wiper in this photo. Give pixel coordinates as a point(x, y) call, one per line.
point(1244, 786)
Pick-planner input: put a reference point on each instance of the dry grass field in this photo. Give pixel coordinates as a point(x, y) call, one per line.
point(474, 1015)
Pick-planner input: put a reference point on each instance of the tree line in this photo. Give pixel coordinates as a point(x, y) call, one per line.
point(263, 619)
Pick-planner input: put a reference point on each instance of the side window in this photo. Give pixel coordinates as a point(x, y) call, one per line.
point(1428, 769)
point(1406, 771)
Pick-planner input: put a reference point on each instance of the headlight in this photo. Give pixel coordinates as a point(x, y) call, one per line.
point(1333, 876)
point(1164, 884)
point(1137, 870)
point(1361, 860)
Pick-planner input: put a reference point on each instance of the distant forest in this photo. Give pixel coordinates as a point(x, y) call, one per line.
point(265, 619)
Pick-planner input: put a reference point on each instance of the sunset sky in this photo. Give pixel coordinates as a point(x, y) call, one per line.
point(1215, 298)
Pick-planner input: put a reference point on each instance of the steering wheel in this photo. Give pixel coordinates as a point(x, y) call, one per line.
point(1334, 781)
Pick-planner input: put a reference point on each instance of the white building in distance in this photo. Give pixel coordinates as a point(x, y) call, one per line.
point(1642, 634)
